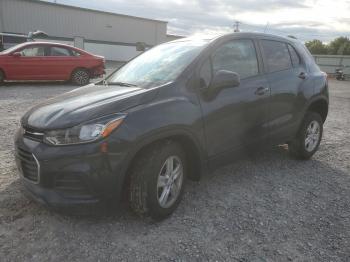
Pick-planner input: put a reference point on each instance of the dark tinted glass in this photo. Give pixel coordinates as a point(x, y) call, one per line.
point(294, 55)
point(238, 56)
point(276, 55)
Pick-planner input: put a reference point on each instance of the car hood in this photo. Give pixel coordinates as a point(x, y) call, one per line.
point(84, 104)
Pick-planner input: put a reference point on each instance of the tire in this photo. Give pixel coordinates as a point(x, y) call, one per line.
point(2, 77)
point(81, 77)
point(309, 137)
point(149, 183)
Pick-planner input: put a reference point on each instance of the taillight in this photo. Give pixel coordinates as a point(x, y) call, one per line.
point(326, 75)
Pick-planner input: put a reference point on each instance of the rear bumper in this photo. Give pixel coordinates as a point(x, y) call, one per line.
point(97, 71)
point(71, 175)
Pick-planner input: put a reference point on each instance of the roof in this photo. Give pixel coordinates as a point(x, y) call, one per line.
point(94, 10)
point(46, 43)
point(240, 34)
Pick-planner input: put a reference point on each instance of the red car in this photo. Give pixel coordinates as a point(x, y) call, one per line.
point(49, 61)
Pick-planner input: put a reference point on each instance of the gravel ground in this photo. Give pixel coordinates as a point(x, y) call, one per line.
point(265, 207)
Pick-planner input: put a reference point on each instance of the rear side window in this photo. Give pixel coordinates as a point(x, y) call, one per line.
point(59, 51)
point(294, 56)
point(237, 56)
point(75, 53)
point(276, 55)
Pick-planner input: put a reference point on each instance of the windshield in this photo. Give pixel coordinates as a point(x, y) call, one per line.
point(159, 65)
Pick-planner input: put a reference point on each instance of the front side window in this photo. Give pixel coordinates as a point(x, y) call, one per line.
point(159, 65)
point(59, 51)
point(33, 51)
point(276, 55)
point(238, 56)
point(206, 73)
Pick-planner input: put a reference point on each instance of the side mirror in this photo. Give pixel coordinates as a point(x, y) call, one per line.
point(225, 78)
point(16, 54)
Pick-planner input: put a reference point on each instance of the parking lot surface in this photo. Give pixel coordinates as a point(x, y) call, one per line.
point(264, 207)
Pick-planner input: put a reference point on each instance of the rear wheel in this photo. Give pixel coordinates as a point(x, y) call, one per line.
point(81, 77)
point(157, 180)
point(308, 139)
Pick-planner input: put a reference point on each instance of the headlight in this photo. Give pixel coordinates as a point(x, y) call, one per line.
point(83, 133)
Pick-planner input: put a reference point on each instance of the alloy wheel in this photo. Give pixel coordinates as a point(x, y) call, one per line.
point(312, 137)
point(81, 77)
point(170, 181)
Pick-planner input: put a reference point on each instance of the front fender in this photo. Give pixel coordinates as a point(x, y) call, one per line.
point(171, 116)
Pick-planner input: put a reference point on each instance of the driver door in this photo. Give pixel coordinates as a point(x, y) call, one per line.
point(30, 65)
point(234, 117)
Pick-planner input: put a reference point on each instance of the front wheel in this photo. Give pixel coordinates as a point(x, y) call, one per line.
point(2, 77)
point(308, 139)
point(157, 180)
point(81, 77)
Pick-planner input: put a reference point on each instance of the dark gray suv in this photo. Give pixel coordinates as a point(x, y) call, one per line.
point(171, 114)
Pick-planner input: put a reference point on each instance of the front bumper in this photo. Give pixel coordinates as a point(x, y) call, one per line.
point(53, 198)
point(68, 175)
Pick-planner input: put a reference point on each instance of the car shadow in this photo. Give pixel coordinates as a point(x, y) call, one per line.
point(254, 173)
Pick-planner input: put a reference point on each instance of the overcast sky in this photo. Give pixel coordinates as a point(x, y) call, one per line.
point(306, 19)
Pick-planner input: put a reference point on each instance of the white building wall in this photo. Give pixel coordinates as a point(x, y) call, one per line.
point(112, 52)
point(111, 35)
point(22, 16)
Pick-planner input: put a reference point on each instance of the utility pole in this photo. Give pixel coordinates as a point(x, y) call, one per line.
point(236, 26)
point(267, 25)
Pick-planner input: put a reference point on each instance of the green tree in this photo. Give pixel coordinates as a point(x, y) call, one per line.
point(339, 46)
point(316, 47)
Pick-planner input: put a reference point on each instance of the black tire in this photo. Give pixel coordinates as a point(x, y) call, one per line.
point(298, 148)
point(144, 190)
point(2, 77)
point(81, 77)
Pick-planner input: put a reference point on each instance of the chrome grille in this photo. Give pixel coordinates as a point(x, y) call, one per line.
point(29, 165)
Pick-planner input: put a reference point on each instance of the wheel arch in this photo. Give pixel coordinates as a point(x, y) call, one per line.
point(194, 155)
point(319, 105)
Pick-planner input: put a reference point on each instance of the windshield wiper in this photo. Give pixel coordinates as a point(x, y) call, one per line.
point(118, 84)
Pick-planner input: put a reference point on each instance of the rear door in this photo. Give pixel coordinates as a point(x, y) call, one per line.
point(286, 74)
point(61, 61)
point(234, 117)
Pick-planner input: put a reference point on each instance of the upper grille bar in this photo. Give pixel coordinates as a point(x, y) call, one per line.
point(32, 134)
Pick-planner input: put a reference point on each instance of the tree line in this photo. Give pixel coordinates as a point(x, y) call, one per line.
point(339, 46)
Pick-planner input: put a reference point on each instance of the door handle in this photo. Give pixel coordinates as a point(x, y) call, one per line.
point(302, 75)
point(261, 90)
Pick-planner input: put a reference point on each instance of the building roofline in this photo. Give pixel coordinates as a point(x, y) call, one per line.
point(175, 35)
point(94, 10)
